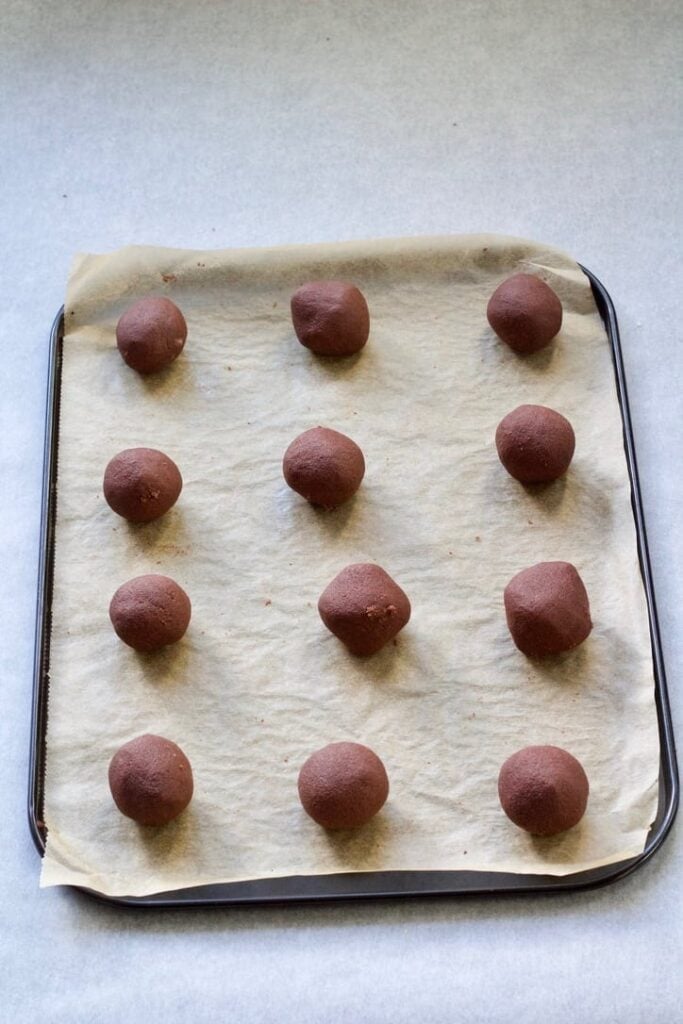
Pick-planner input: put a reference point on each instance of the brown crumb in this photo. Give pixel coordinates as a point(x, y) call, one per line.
point(530, 522)
point(477, 538)
point(267, 602)
point(230, 367)
point(450, 552)
point(168, 278)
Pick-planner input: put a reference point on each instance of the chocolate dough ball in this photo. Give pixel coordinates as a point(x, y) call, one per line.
point(544, 790)
point(151, 334)
point(364, 608)
point(141, 484)
point(343, 785)
point(150, 612)
point(547, 609)
point(535, 444)
point(330, 317)
point(151, 780)
point(324, 466)
point(525, 313)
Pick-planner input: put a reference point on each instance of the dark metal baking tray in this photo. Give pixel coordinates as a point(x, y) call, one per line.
point(362, 885)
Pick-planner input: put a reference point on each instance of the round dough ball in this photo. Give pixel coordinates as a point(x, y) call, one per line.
point(535, 444)
point(525, 313)
point(364, 608)
point(150, 780)
point(151, 334)
point(324, 466)
point(547, 609)
point(331, 318)
point(141, 484)
point(150, 612)
point(343, 785)
point(544, 790)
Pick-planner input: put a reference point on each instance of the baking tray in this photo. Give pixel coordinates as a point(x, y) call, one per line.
point(353, 885)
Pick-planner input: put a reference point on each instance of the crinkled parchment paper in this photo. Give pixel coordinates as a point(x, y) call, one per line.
point(258, 683)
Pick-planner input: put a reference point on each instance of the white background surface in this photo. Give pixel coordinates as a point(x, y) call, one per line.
point(236, 123)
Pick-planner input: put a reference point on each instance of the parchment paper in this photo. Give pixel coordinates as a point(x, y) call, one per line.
point(258, 683)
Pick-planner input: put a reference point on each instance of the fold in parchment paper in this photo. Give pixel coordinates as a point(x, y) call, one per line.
point(258, 683)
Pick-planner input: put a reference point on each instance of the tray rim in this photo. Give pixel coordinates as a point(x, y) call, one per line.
point(352, 886)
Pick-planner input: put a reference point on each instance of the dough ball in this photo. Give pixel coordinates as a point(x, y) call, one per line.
point(547, 609)
point(343, 785)
point(525, 313)
point(141, 484)
point(324, 466)
point(330, 317)
point(544, 790)
point(535, 444)
point(151, 780)
point(364, 608)
point(150, 612)
point(151, 334)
